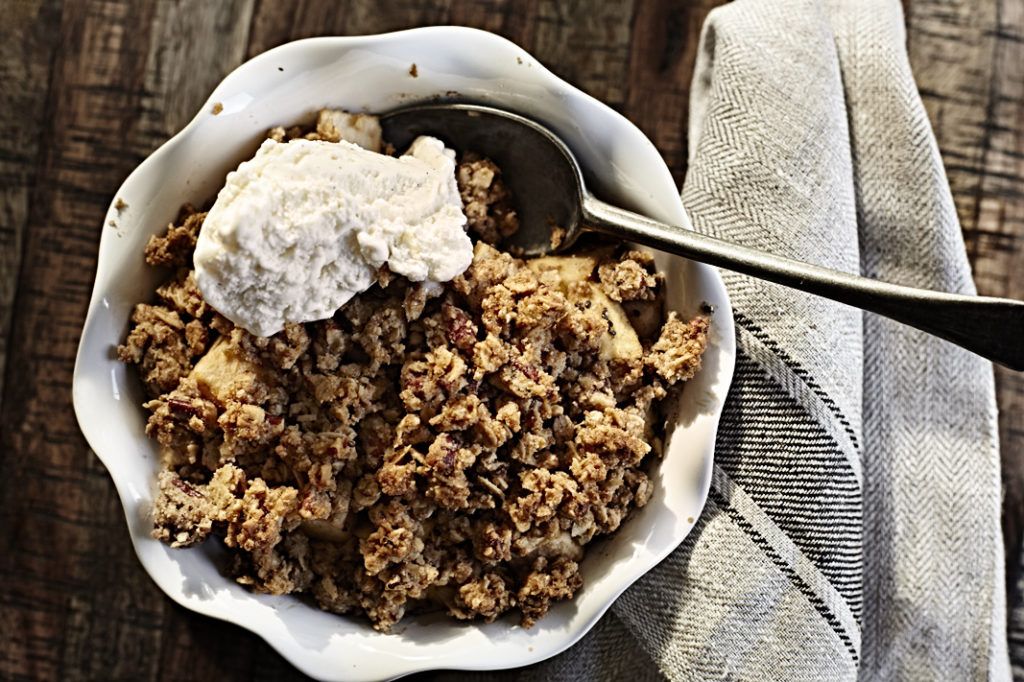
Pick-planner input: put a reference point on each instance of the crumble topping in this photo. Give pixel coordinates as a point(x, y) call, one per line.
point(448, 446)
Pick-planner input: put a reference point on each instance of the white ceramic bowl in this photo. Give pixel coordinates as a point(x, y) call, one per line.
point(372, 73)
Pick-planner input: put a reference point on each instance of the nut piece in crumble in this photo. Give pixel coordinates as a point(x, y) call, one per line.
point(451, 445)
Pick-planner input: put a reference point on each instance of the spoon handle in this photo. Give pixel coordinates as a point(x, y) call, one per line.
point(991, 327)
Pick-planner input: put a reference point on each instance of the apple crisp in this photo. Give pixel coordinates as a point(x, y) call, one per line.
point(452, 445)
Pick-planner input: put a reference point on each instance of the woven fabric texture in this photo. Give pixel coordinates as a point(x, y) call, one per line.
point(852, 529)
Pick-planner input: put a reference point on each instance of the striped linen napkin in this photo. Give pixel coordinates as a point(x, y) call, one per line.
point(852, 528)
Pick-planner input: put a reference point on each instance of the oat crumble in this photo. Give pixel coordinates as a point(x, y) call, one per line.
point(446, 445)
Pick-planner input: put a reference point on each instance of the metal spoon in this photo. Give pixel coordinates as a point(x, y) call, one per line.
point(548, 185)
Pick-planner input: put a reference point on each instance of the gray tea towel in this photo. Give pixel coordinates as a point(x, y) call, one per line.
point(852, 528)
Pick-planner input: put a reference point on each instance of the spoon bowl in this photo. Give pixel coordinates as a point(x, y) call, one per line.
point(538, 168)
point(549, 190)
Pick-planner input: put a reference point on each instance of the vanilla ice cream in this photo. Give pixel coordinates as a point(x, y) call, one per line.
point(305, 225)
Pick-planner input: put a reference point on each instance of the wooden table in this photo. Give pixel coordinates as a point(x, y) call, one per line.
point(90, 88)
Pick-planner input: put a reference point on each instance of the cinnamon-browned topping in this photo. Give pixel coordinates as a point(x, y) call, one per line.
point(455, 445)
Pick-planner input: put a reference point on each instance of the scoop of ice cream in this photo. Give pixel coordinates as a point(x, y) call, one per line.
point(305, 225)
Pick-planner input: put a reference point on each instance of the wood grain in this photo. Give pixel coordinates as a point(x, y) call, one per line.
point(664, 51)
point(27, 44)
point(93, 86)
point(82, 609)
point(58, 495)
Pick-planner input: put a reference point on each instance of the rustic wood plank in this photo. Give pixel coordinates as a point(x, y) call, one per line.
point(954, 85)
point(51, 484)
point(27, 42)
point(512, 19)
point(664, 50)
point(194, 44)
point(557, 33)
point(275, 23)
point(601, 31)
point(995, 240)
point(968, 59)
point(83, 608)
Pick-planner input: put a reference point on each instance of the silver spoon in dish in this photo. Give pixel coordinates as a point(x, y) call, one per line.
point(549, 190)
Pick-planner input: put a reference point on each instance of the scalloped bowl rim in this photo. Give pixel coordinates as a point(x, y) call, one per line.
point(622, 165)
